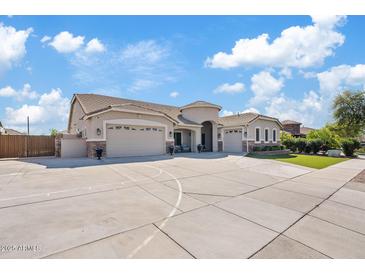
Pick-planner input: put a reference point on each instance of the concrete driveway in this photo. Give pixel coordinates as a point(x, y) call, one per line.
point(210, 205)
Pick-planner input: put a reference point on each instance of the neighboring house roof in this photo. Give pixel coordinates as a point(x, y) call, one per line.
point(94, 103)
point(243, 119)
point(306, 130)
point(290, 122)
point(200, 104)
point(9, 131)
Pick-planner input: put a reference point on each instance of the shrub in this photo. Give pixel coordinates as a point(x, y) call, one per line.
point(315, 145)
point(327, 135)
point(282, 147)
point(307, 148)
point(301, 143)
point(349, 145)
point(324, 148)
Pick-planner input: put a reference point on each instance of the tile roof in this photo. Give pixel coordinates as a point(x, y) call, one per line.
point(237, 119)
point(242, 119)
point(306, 130)
point(201, 104)
point(290, 122)
point(93, 103)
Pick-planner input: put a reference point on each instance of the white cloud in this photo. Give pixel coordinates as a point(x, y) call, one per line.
point(148, 51)
point(286, 72)
point(7, 92)
point(50, 112)
point(174, 94)
point(250, 110)
point(142, 66)
point(12, 45)
point(226, 113)
point(307, 110)
point(340, 77)
point(45, 39)
point(264, 87)
point(299, 47)
point(65, 42)
point(25, 93)
point(94, 46)
point(230, 88)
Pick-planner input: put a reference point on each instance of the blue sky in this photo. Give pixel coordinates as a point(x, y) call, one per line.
point(289, 67)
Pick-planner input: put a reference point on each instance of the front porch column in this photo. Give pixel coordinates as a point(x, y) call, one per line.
point(214, 137)
point(197, 139)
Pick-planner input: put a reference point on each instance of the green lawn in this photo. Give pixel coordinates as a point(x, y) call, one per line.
point(313, 161)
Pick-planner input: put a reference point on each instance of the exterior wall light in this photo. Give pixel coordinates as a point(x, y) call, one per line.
point(170, 133)
point(98, 131)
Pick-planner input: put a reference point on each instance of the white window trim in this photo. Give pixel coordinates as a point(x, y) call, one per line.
point(276, 135)
point(259, 141)
point(268, 135)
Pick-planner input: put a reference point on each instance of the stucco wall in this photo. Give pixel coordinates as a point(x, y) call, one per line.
point(200, 115)
point(75, 123)
point(73, 148)
point(96, 122)
point(262, 124)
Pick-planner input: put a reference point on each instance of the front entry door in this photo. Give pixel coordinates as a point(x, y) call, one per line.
point(203, 139)
point(177, 138)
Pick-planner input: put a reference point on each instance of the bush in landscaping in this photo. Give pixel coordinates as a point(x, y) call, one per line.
point(315, 145)
point(349, 145)
point(327, 135)
point(301, 143)
point(307, 148)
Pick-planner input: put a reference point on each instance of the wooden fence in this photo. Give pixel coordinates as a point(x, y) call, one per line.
point(12, 146)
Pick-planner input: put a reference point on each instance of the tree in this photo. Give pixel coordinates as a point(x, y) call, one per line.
point(53, 132)
point(327, 135)
point(349, 112)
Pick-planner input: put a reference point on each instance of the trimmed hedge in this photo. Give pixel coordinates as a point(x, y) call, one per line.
point(268, 148)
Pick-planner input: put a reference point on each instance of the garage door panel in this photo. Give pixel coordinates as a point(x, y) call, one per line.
point(135, 141)
point(233, 140)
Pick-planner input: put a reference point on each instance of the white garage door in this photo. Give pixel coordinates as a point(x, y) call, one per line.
point(232, 140)
point(134, 141)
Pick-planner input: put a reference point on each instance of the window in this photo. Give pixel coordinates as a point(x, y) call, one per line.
point(274, 135)
point(266, 135)
point(257, 134)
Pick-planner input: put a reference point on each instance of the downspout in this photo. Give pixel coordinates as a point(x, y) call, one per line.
point(247, 139)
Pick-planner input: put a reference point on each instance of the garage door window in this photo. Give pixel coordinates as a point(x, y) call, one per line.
point(257, 134)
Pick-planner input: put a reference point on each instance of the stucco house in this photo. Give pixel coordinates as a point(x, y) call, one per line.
point(124, 127)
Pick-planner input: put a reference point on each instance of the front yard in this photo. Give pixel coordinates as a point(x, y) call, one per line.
point(313, 161)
